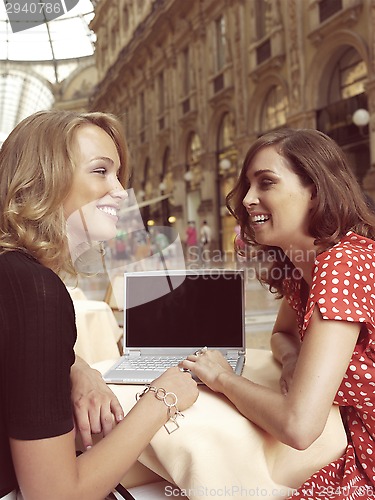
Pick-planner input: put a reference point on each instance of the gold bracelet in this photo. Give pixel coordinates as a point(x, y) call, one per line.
point(170, 400)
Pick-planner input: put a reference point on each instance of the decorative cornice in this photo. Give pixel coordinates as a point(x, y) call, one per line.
point(222, 96)
point(272, 64)
point(342, 19)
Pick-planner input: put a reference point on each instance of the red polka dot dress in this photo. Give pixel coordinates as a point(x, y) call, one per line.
point(343, 288)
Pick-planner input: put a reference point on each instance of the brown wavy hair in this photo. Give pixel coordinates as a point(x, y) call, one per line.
point(36, 174)
point(340, 207)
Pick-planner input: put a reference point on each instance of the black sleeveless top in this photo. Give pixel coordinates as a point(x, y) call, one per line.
point(37, 335)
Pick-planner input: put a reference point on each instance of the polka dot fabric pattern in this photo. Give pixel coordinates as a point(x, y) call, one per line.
point(343, 288)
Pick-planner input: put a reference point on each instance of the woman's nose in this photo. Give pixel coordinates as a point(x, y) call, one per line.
point(118, 190)
point(250, 198)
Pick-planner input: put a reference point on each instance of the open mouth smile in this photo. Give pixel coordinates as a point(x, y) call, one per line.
point(108, 210)
point(257, 220)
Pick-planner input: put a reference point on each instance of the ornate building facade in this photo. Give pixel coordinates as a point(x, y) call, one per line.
point(195, 82)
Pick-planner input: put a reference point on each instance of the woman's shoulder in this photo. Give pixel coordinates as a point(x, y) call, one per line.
point(347, 267)
point(352, 250)
point(343, 281)
point(18, 269)
point(15, 260)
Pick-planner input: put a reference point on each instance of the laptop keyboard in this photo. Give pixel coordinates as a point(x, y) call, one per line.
point(149, 363)
point(157, 363)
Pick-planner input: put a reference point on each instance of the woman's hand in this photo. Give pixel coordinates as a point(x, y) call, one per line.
point(180, 383)
point(96, 408)
point(207, 366)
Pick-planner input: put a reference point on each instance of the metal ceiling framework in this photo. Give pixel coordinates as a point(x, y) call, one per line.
point(32, 61)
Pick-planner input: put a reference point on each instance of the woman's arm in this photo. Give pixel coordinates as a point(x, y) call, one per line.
point(96, 409)
point(297, 418)
point(286, 343)
point(47, 468)
point(285, 338)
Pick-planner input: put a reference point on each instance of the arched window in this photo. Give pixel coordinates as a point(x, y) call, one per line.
point(193, 172)
point(226, 133)
point(343, 94)
point(193, 150)
point(348, 77)
point(275, 108)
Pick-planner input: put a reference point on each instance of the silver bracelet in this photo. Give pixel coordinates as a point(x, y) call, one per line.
point(170, 401)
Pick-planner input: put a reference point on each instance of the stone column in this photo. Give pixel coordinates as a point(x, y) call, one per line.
point(209, 205)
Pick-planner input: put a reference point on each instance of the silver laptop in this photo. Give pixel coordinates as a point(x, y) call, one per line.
point(171, 314)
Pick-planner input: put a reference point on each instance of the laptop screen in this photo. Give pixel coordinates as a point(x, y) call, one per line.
point(191, 309)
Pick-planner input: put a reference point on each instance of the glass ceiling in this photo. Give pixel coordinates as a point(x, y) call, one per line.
point(33, 60)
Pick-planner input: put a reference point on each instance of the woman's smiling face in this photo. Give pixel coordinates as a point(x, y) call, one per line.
point(96, 193)
point(277, 202)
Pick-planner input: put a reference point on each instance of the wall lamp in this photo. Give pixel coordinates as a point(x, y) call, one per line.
point(188, 176)
point(361, 117)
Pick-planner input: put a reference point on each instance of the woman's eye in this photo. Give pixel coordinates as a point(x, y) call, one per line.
point(266, 183)
point(101, 171)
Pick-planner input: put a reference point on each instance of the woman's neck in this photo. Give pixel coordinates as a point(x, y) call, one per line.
point(303, 258)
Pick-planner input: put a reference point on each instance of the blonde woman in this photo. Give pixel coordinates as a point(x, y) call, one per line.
point(60, 171)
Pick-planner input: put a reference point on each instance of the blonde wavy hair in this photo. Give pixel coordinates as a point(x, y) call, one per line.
point(36, 174)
